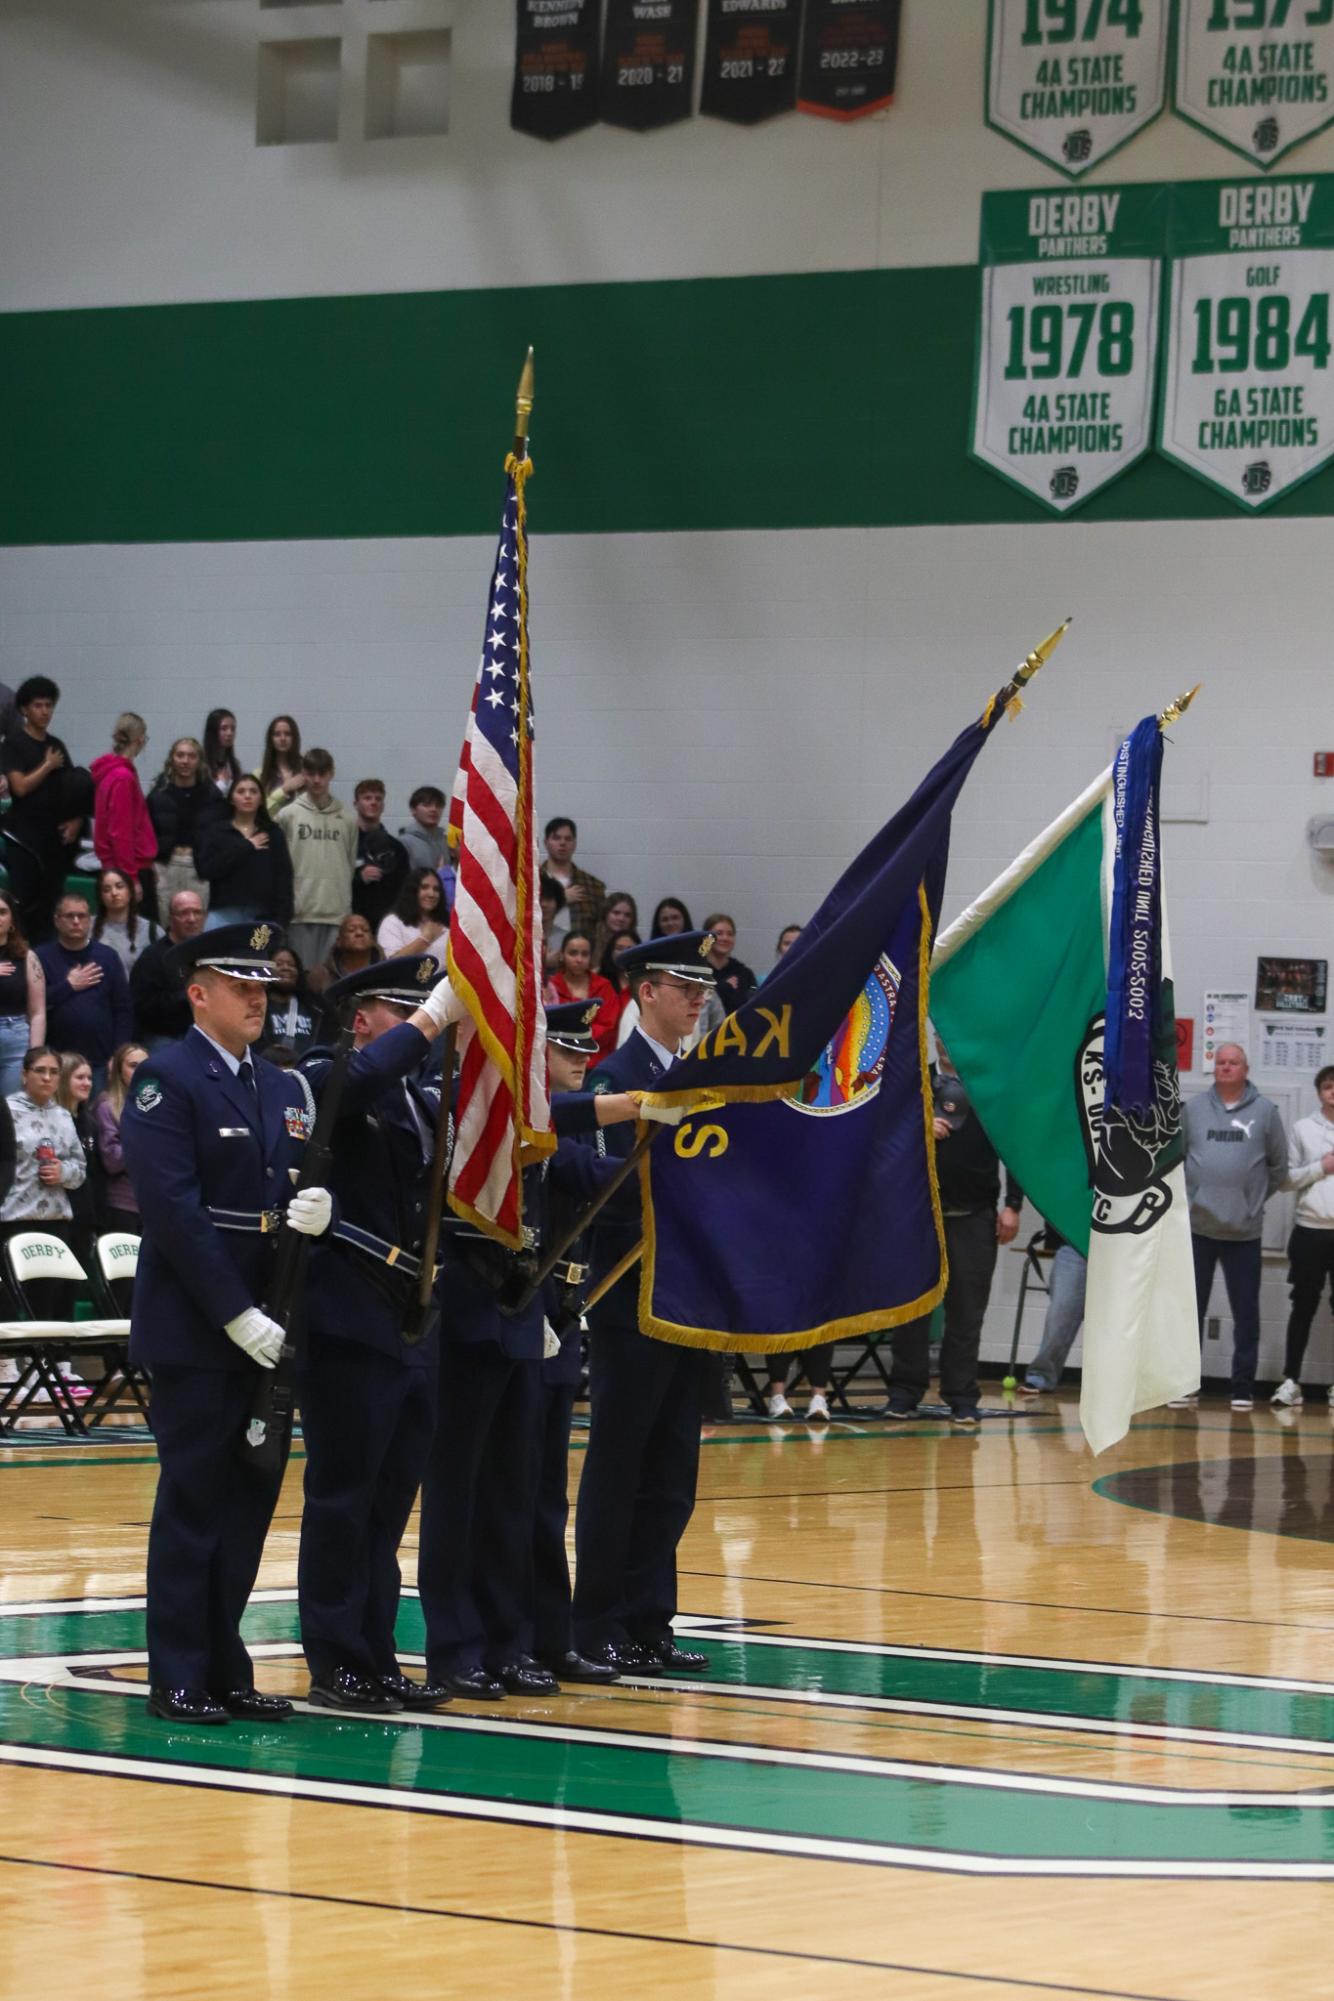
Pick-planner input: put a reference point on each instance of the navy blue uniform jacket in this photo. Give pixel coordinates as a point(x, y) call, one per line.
point(196, 1139)
point(383, 1148)
point(632, 1067)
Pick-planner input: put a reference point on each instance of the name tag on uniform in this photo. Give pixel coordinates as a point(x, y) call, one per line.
point(235, 1132)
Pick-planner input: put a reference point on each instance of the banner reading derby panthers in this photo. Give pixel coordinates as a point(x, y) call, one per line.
point(1068, 343)
point(1071, 80)
point(1256, 74)
point(750, 59)
point(555, 67)
point(648, 62)
point(811, 1218)
point(1248, 402)
point(849, 58)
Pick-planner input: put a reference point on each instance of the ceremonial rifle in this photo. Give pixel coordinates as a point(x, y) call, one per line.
point(415, 1331)
point(267, 1438)
point(516, 1302)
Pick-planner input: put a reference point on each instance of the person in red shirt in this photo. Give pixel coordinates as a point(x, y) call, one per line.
point(575, 980)
point(124, 836)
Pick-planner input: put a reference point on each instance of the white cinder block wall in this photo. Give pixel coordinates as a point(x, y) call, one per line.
point(726, 715)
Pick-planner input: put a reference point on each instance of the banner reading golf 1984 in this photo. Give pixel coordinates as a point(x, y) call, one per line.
point(1248, 401)
point(1072, 80)
point(1063, 397)
point(1256, 74)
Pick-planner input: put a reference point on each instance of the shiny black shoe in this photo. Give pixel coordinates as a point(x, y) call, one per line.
point(413, 1694)
point(528, 1677)
point(185, 1705)
point(473, 1683)
point(345, 1688)
point(678, 1660)
point(631, 1658)
point(576, 1667)
point(249, 1706)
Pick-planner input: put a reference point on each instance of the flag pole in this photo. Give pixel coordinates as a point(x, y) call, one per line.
point(1007, 698)
point(523, 410)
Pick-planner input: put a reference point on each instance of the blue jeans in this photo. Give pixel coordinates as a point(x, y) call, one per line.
point(1241, 1276)
point(13, 1043)
point(1065, 1317)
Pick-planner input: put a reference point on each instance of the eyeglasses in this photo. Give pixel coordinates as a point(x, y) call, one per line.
point(42, 1070)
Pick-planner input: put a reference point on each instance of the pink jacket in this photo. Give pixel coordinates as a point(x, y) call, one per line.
point(123, 833)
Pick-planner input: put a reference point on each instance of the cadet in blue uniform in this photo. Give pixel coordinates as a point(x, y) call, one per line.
point(213, 1142)
point(578, 1165)
point(638, 1487)
point(368, 1386)
point(475, 1563)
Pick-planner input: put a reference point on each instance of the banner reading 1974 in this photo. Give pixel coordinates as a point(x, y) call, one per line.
point(1248, 401)
point(1256, 74)
point(1067, 350)
point(1071, 80)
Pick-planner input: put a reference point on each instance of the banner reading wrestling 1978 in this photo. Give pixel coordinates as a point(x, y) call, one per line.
point(1248, 401)
point(1071, 80)
point(1067, 347)
point(1256, 74)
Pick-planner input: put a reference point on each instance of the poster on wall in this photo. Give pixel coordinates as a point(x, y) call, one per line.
point(1071, 80)
point(555, 67)
point(849, 58)
point(648, 62)
point(1256, 74)
point(1227, 1018)
point(1248, 398)
point(1291, 986)
point(1068, 342)
point(750, 59)
point(1298, 1047)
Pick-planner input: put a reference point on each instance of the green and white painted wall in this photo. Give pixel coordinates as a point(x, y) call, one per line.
point(253, 401)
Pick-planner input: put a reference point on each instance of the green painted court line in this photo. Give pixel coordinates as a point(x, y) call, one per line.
point(671, 1793)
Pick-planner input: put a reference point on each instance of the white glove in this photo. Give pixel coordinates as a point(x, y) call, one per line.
point(664, 1115)
point(257, 1336)
point(443, 1005)
point(309, 1212)
point(550, 1342)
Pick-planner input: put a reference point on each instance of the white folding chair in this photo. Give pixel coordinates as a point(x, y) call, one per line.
point(32, 1257)
point(115, 1262)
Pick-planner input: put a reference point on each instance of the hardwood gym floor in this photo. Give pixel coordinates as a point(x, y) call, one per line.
point(984, 1716)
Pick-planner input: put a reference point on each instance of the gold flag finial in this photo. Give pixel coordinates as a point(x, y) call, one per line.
point(523, 407)
point(1041, 654)
point(1177, 709)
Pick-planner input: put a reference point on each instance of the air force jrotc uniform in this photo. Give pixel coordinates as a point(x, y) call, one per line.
point(210, 1143)
point(638, 1488)
point(369, 1380)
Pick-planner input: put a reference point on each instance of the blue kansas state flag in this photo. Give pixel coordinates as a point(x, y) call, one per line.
point(805, 1209)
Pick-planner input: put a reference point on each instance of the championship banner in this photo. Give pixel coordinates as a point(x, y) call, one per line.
point(555, 67)
point(1256, 74)
point(1068, 345)
point(648, 62)
point(1071, 80)
point(1248, 401)
point(750, 59)
point(849, 58)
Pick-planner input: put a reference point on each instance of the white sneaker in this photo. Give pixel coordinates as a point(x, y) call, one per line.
point(1243, 1403)
point(778, 1406)
point(1287, 1392)
point(817, 1407)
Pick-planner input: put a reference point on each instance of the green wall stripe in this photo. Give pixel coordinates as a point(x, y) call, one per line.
point(826, 400)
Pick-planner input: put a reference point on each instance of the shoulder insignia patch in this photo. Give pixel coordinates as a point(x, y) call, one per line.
point(148, 1094)
point(600, 1086)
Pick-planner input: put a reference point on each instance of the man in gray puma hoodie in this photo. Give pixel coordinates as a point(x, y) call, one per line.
point(1236, 1157)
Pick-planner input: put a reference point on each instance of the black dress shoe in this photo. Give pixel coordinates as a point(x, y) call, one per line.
point(575, 1667)
point(528, 1677)
point(413, 1694)
point(252, 1707)
point(678, 1660)
point(631, 1658)
point(345, 1688)
point(475, 1683)
point(185, 1705)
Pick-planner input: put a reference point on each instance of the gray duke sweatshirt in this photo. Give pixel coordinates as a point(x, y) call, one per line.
point(1235, 1160)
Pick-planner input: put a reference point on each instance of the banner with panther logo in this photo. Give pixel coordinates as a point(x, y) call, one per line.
point(555, 67)
point(1248, 401)
point(648, 62)
point(1067, 348)
point(1258, 75)
point(750, 59)
point(1071, 80)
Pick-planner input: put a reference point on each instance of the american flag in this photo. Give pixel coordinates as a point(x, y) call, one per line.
point(502, 1116)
